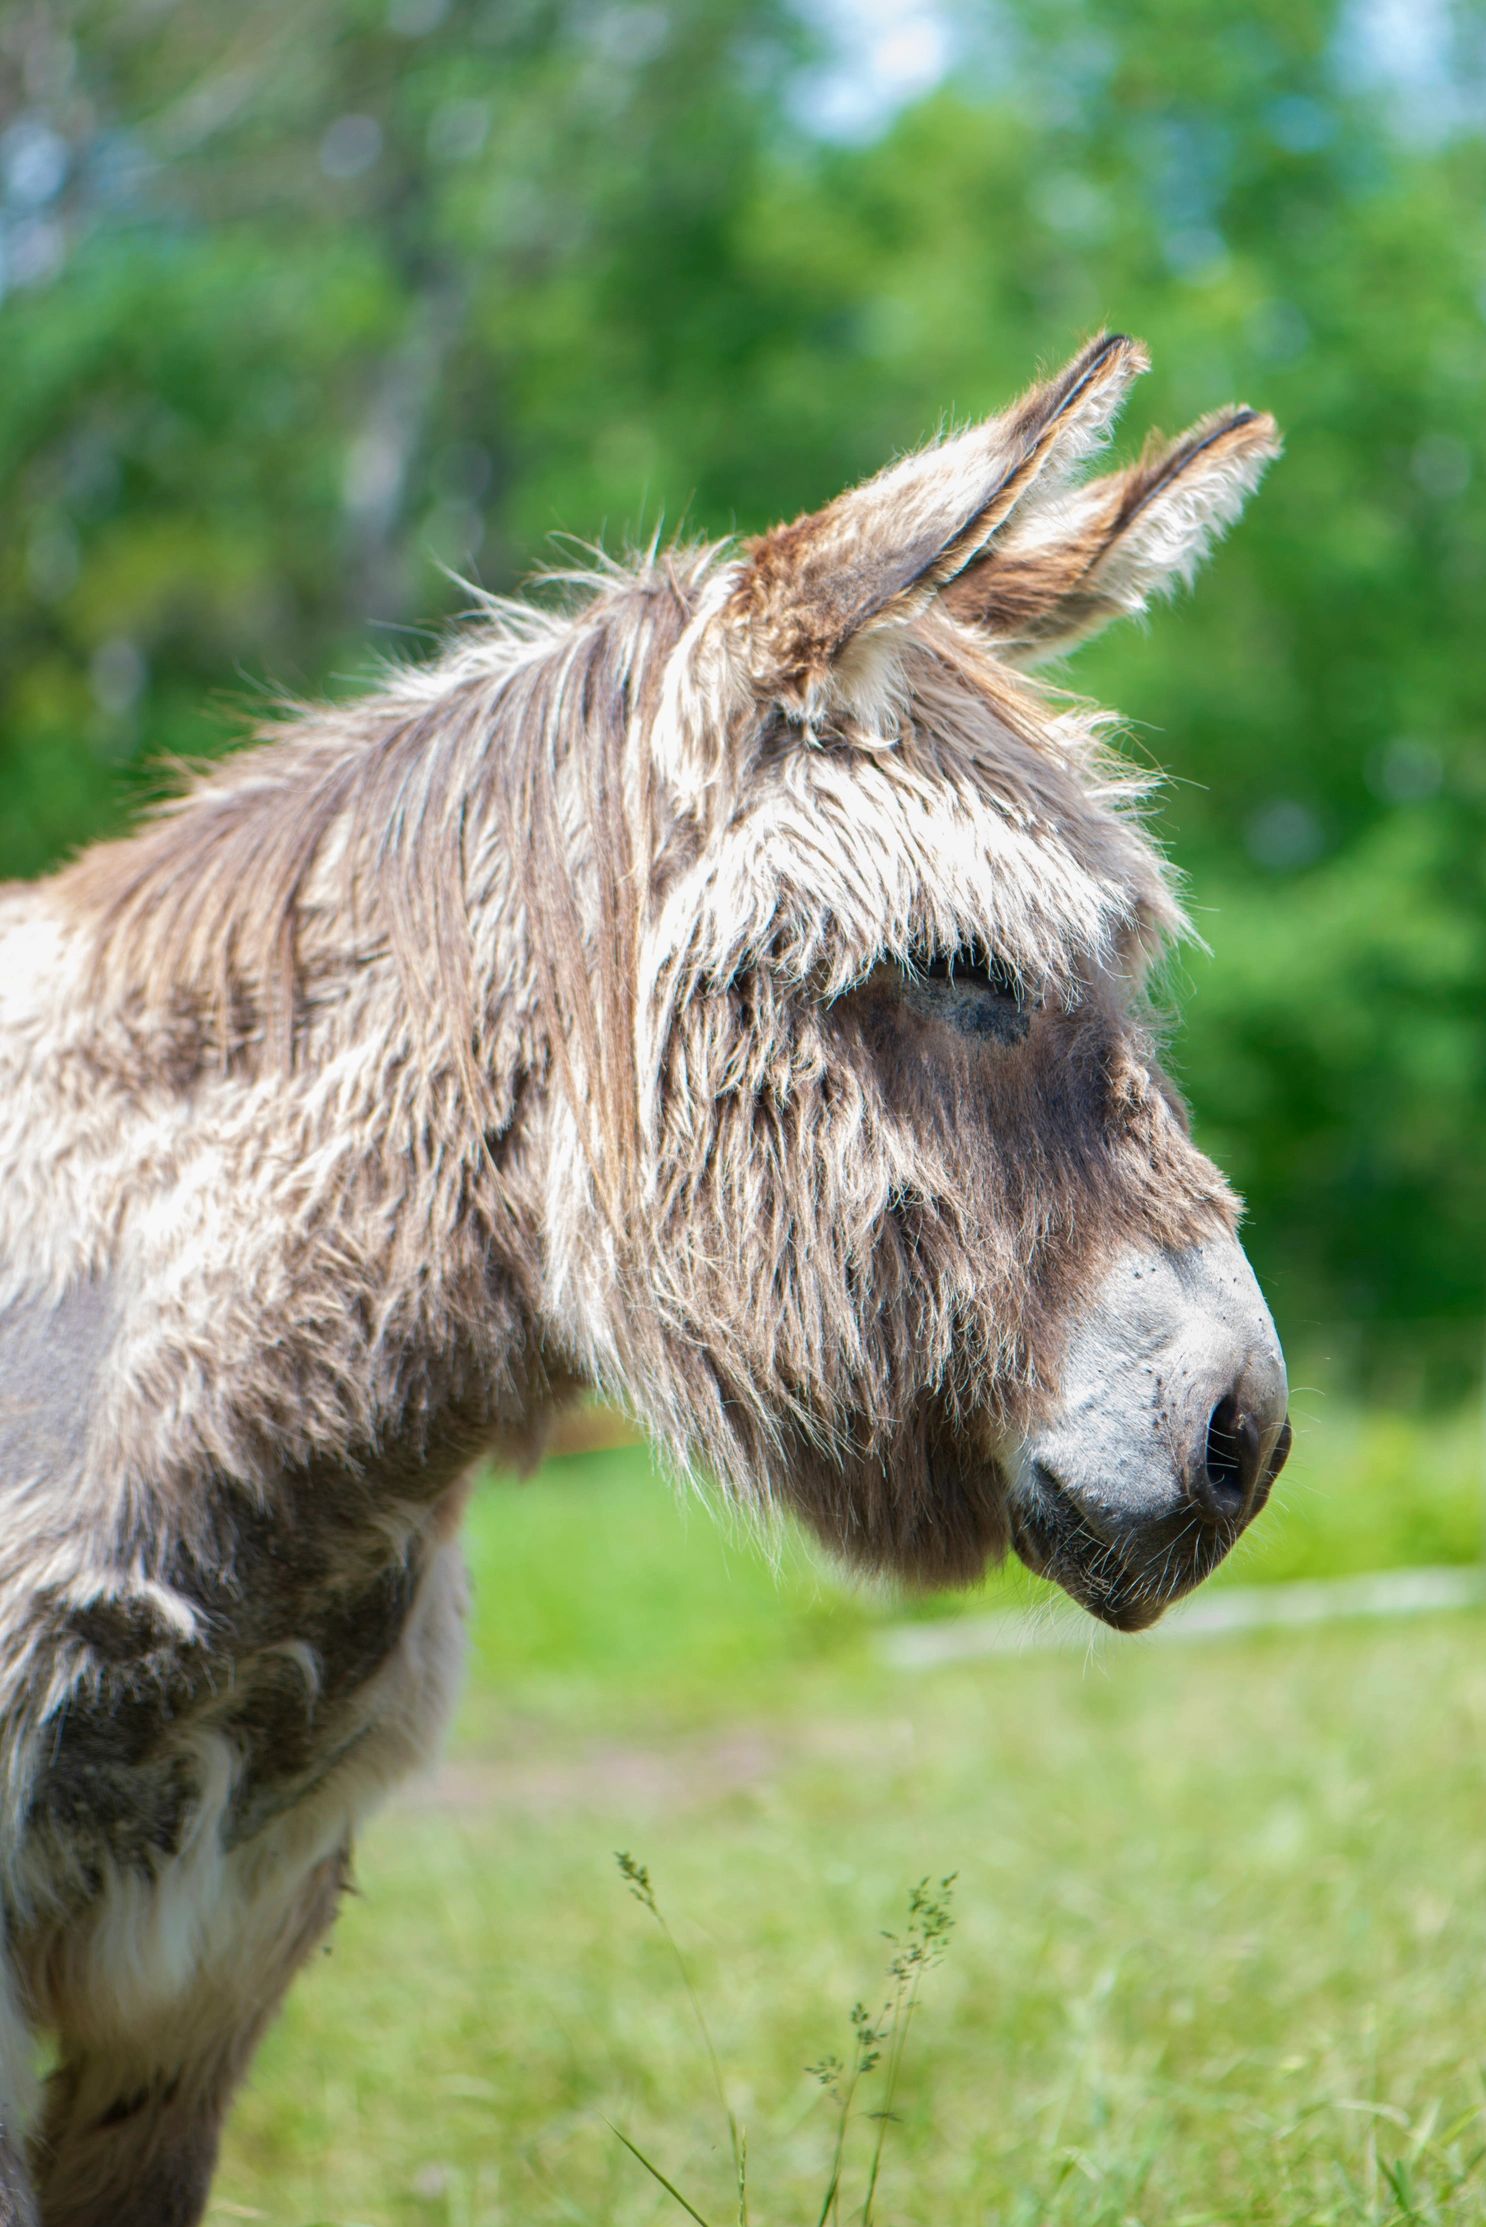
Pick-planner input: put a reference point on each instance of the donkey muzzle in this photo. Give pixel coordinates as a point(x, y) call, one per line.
point(1169, 1429)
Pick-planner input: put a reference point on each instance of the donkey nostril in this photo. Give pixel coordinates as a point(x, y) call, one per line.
point(1229, 1467)
point(1281, 1454)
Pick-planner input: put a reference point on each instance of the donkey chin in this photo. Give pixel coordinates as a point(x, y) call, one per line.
point(1169, 1429)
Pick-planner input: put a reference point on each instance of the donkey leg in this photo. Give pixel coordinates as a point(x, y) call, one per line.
point(17, 2097)
point(127, 2145)
point(17, 2204)
point(130, 2128)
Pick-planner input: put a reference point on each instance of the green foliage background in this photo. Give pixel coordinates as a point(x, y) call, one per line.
point(303, 302)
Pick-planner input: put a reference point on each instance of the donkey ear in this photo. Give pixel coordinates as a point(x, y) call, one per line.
point(1063, 571)
point(878, 552)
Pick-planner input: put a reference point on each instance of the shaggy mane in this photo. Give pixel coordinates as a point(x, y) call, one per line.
point(356, 833)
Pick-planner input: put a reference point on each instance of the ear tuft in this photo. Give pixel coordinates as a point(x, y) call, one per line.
point(879, 552)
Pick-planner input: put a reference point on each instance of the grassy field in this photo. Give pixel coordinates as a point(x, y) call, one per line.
point(1221, 1952)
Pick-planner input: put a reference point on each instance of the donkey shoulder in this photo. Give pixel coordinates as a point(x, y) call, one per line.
point(51, 1350)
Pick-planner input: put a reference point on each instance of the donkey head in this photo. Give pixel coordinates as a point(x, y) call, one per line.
point(868, 1190)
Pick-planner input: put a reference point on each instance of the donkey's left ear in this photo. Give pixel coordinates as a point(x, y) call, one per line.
point(875, 554)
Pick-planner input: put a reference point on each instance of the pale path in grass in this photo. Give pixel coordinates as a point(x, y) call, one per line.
point(1242, 1608)
point(691, 1769)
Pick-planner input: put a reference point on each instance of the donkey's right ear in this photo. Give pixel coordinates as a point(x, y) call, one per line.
point(1062, 571)
point(876, 554)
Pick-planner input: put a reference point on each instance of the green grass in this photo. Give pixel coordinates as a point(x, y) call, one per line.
point(1222, 1910)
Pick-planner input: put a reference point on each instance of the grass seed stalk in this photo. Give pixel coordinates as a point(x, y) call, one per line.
point(878, 2039)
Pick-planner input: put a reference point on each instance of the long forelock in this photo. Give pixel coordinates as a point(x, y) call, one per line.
point(995, 811)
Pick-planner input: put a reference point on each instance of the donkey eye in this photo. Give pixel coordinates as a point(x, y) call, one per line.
point(969, 968)
point(971, 990)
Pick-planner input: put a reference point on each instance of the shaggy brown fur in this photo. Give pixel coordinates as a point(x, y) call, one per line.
point(725, 993)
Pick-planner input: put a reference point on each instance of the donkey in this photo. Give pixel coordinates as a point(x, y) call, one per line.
point(725, 992)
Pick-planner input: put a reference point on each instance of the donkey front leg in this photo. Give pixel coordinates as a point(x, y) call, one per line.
point(130, 2129)
point(129, 2146)
point(17, 2205)
point(17, 2100)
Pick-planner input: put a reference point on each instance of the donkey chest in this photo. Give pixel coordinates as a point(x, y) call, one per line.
point(305, 1695)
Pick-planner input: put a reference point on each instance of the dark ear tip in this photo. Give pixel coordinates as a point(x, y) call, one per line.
point(1108, 357)
point(1123, 349)
point(1257, 424)
point(1107, 344)
point(1252, 433)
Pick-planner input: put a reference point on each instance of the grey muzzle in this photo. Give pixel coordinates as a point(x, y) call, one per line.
point(1169, 1429)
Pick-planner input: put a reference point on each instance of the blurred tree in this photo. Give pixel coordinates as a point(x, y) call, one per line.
point(301, 303)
